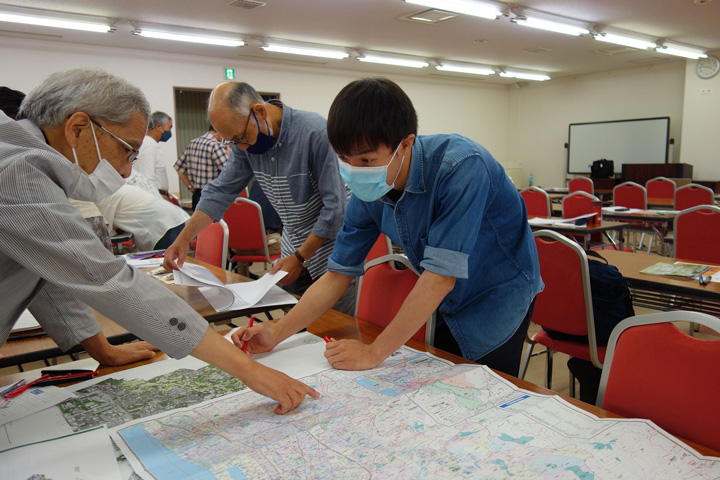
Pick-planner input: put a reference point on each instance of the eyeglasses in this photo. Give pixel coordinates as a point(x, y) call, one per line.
point(132, 158)
point(242, 140)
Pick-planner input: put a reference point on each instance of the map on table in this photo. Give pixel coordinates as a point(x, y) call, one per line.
point(414, 417)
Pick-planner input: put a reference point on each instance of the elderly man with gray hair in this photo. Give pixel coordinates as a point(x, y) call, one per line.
point(79, 133)
point(150, 162)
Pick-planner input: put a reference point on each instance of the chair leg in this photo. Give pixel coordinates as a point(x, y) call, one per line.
point(526, 359)
point(548, 373)
point(572, 384)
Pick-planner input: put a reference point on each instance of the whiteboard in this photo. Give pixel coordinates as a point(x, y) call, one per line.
point(641, 140)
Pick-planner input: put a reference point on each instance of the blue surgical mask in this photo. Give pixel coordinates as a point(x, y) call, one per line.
point(369, 183)
point(166, 136)
point(264, 140)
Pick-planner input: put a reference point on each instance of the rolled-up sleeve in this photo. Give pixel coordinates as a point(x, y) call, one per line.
point(356, 238)
point(454, 232)
point(324, 165)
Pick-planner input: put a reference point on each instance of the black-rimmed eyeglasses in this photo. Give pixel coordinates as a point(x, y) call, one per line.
point(132, 157)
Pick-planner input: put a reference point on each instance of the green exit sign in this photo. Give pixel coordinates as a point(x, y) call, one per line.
point(230, 73)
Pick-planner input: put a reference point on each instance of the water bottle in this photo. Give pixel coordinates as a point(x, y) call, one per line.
point(530, 180)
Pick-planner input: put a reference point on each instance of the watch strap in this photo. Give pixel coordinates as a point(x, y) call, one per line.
point(303, 261)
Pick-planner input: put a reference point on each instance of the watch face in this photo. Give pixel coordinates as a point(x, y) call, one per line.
point(707, 67)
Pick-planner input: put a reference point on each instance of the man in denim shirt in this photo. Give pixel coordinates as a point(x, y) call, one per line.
point(289, 154)
point(455, 213)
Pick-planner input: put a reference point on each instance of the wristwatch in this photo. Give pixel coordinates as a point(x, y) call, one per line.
point(304, 262)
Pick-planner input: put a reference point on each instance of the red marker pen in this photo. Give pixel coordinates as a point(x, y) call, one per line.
point(327, 339)
point(252, 320)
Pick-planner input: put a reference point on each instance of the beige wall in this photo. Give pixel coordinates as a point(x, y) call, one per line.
point(443, 106)
point(544, 111)
point(701, 124)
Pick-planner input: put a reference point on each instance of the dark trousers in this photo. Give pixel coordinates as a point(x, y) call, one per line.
point(196, 197)
point(505, 358)
point(345, 305)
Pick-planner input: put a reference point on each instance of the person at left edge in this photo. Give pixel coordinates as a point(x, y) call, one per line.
point(78, 136)
point(150, 160)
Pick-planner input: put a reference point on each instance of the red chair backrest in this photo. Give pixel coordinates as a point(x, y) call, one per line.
point(577, 203)
point(581, 184)
point(537, 202)
point(692, 195)
point(697, 230)
point(245, 222)
point(210, 246)
point(382, 292)
point(660, 187)
point(379, 249)
point(660, 373)
point(561, 305)
point(630, 195)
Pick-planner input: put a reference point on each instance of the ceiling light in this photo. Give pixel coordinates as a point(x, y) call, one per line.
point(625, 40)
point(551, 25)
point(178, 37)
point(538, 77)
point(393, 61)
point(466, 7)
point(466, 69)
point(681, 51)
point(56, 22)
point(313, 52)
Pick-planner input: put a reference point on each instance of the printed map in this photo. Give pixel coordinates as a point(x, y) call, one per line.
point(414, 417)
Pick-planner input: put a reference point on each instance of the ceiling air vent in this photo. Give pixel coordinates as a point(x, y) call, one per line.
point(429, 16)
point(537, 50)
point(616, 51)
point(246, 4)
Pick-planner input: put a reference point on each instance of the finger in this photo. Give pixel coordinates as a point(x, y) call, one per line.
point(284, 406)
point(275, 268)
point(236, 337)
point(312, 392)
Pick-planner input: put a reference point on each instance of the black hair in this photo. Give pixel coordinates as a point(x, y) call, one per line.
point(10, 101)
point(370, 112)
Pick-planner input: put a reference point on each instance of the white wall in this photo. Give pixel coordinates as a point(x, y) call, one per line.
point(443, 105)
point(701, 124)
point(544, 112)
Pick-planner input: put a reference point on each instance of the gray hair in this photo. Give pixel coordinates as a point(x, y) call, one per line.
point(242, 96)
point(90, 90)
point(158, 118)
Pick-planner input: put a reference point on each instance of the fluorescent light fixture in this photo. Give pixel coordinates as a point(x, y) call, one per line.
point(466, 69)
point(56, 22)
point(178, 37)
point(538, 77)
point(393, 61)
point(681, 51)
point(466, 7)
point(552, 26)
point(627, 41)
point(313, 52)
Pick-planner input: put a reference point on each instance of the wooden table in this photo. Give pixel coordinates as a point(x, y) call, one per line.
point(663, 203)
point(338, 325)
point(661, 292)
point(583, 231)
point(17, 352)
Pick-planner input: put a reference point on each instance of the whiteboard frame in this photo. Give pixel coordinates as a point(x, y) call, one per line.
point(618, 164)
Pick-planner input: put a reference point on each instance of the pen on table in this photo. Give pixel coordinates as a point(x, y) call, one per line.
point(60, 379)
point(20, 390)
point(64, 372)
point(252, 320)
point(12, 387)
point(327, 339)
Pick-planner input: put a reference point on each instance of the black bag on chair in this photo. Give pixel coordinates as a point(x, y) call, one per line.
point(602, 168)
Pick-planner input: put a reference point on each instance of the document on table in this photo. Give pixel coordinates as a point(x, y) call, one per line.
point(565, 222)
point(32, 401)
point(234, 296)
point(686, 270)
point(25, 322)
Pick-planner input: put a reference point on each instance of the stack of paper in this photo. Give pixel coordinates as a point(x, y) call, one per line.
point(687, 270)
point(234, 296)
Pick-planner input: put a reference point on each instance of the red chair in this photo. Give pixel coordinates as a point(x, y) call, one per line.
point(660, 187)
point(382, 247)
point(697, 230)
point(577, 203)
point(581, 184)
point(633, 195)
point(247, 232)
point(692, 195)
point(565, 305)
point(382, 291)
point(537, 201)
point(654, 370)
point(212, 244)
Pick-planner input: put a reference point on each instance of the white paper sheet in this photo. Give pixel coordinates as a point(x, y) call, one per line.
point(33, 400)
point(25, 322)
point(87, 455)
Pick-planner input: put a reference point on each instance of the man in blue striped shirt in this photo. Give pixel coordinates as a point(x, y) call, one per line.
point(288, 151)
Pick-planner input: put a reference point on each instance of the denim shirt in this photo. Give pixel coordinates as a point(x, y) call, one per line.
point(459, 216)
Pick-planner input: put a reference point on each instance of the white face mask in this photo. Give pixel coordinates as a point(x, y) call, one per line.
point(101, 183)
